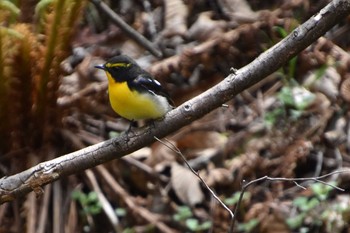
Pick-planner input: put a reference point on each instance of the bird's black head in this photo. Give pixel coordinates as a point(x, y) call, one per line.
point(122, 68)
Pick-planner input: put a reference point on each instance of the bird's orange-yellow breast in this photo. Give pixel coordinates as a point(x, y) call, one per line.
point(133, 105)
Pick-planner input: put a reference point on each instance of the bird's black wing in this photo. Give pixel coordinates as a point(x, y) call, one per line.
point(145, 83)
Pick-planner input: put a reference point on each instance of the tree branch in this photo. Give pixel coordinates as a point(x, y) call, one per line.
point(135, 35)
point(44, 173)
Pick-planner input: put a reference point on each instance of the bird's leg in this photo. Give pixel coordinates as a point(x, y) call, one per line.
point(151, 124)
point(132, 122)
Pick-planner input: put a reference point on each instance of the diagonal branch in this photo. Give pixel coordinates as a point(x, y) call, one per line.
point(116, 19)
point(44, 173)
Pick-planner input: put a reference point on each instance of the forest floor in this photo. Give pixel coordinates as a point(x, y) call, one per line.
point(293, 124)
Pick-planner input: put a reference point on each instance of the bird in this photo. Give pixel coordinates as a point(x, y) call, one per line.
point(133, 93)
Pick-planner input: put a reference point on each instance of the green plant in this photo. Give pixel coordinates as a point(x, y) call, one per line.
point(325, 214)
point(183, 212)
point(337, 217)
point(304, 204)
point(120, 212)
point(248, 226)
point(194, 225)
point(235, 197)
point(184, 215)
point(322, 191)
point(293, 100)
point(89, 202)
point(292, 63)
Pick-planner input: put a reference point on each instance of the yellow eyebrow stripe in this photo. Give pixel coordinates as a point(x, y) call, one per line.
point(110, 65)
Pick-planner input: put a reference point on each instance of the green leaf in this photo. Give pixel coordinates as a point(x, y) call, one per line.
point(304, 230)
point(272, 116)
point(235, 197)
point(296, 97)
point(79, 196)
point(120, 212)
point(302, 98)
point(92, 197)
point(192, 224)
point(113, 134)
point(322, 191)
point(95, 209)
point(300, 201)
point(41, 7)
point(305, 204)
point(129, 230)
point(248, 226)
point(283, 33)
point(10, 7)
point(286, 96)
point(292, 64)
point(296, 222)
point(183, 212)
point(206, 225)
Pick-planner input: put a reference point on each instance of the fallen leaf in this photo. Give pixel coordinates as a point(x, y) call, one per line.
point(186, 185)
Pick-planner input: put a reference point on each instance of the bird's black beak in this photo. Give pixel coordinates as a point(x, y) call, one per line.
point(101, 67)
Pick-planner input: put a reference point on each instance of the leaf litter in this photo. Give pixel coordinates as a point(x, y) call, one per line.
point(295, 123)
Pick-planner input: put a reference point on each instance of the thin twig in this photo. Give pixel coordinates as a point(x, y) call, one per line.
point(44, 208)
point(57, 206)
point(115, 18)
point(299, 185)
point(172, 147)
point(143, 212)
point(245, 185)
point(294, 180)
point(106, 206)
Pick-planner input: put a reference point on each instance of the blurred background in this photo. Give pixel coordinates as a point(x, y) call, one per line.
point(294, 123)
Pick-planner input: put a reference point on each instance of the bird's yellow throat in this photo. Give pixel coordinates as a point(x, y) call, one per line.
point(133, 105)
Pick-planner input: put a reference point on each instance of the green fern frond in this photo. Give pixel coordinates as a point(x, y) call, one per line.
point(11, 9)
point(41, 10)
point(30, 51)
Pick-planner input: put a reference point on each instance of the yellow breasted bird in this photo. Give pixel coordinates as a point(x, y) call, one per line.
point(133, 93)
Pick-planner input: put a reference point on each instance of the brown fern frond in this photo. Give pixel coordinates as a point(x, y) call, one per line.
point(58, 33)
point(30, 73)
point(3, 95)
point(30, 50)
point(8, 50)
point(66, 31)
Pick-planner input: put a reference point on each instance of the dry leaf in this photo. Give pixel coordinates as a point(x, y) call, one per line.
point(176, 13)
point(238, 10)
point(337, 134)
point(345, 89)
point(160, 155)
point(201, 140)
point(292, 154)
point(205, 27)
point(270, 215)
point(186, 185)
point(203, 157)
point(218, 176)
point(327, 84)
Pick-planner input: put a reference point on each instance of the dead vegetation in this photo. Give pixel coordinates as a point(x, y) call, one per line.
point(295, 123)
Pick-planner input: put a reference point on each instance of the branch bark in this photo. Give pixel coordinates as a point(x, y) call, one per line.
point(47, 172)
